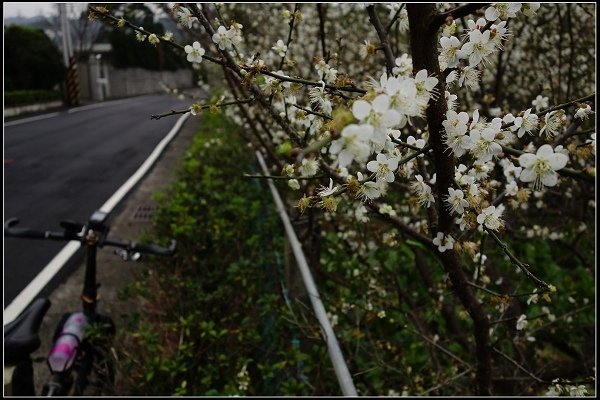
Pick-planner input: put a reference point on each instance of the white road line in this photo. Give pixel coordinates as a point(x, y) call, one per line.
point(97, 105)
point(30, 292)
point(30, 119)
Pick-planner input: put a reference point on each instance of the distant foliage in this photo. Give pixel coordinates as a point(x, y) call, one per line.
point(31, 61)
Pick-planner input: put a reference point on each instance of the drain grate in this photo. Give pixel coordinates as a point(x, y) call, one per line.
point(144, 212)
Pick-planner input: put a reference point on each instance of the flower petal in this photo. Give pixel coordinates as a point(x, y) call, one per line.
point(526, 160)
point(549, 178)
point(527, 175)
point(558, 161)
point(545, 151)
point(361, 109)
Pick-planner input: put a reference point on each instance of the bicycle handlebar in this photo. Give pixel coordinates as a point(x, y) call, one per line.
point(71, 234)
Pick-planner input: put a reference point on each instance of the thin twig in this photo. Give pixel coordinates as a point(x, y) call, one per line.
point(516, 364)
point(522, 266)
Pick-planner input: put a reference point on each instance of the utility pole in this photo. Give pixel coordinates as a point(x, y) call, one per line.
point(72, 82)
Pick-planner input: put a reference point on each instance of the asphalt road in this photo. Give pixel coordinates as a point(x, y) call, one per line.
point(66, 166)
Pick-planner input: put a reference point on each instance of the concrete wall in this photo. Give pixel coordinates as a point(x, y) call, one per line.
point(116, 83)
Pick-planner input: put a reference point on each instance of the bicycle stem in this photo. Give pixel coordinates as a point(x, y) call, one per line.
point(90, 288)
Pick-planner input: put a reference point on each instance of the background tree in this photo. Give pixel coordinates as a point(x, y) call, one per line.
point(31, 61)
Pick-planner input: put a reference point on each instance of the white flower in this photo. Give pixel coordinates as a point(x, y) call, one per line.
point(309, 167)
point(540, 102)
point(384, 167)
point(530, 9)
point(484, 147)
point(583, 111)
point(139, 35)
point(387, 209)
point(478, 47)
point(578, 391)
point(194, 52)
point(294, 184)
point(451, 98)
point(419, 143)
point(456, 127)
point(540, 167)
point(456, 201)
point(522, 322)
point(368, 191)
point(280, 48)
point(377, 114)
point(443, 242)
point(324, 191)
point(525, 124)
point(533, 298)
point(168, 36)
point(186, 18)
point(503, 11)
point(403, 65)
point(423, 191)
point(352, 144)
point(449, 54)
point(223, 37)
point(490, 217)
point(553, 123)
point(469, 77)
point(153, 39)
point(553, 391)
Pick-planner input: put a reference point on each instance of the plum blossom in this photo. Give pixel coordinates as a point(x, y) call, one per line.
point(443, 242)
point(522, 322)
point(403, 66)
point(309, 167)
point(456, 132)
point(541, 167)
point(377, 114)
point(186, 18)
point(384, 167)
point(139, 35)
point(194, 52)
point(280, 48)
point(325, 191)
point(423, 191)
point(553, 122)
point(503, 11)
point(352, 144)
point(469, 77)
point(223, 38)
point(525, 124)
point(456, 201)
point(583, 111)
point(449, 54)
point(530, 9)
point(490, 217)
point(540, 102)
point(478, 47)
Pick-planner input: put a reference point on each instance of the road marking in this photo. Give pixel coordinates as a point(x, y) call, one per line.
point(97, 105)
point(28, 294)
point(33, 289)
point(30, 119)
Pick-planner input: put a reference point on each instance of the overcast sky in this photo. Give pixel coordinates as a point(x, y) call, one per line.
point(28, 9)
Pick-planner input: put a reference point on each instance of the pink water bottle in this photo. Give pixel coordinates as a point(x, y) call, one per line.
point(63, 352)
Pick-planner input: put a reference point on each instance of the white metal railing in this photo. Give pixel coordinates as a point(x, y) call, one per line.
point(335, 353)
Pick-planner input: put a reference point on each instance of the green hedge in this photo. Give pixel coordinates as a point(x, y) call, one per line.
point(25, 97)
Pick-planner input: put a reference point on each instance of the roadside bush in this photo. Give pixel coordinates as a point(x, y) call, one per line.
point(217, 319)
point(24, 97)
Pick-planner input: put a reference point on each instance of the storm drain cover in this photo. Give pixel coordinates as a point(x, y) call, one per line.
point(143, 213)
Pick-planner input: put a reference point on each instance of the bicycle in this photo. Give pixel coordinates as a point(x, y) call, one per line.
point(73, 374)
